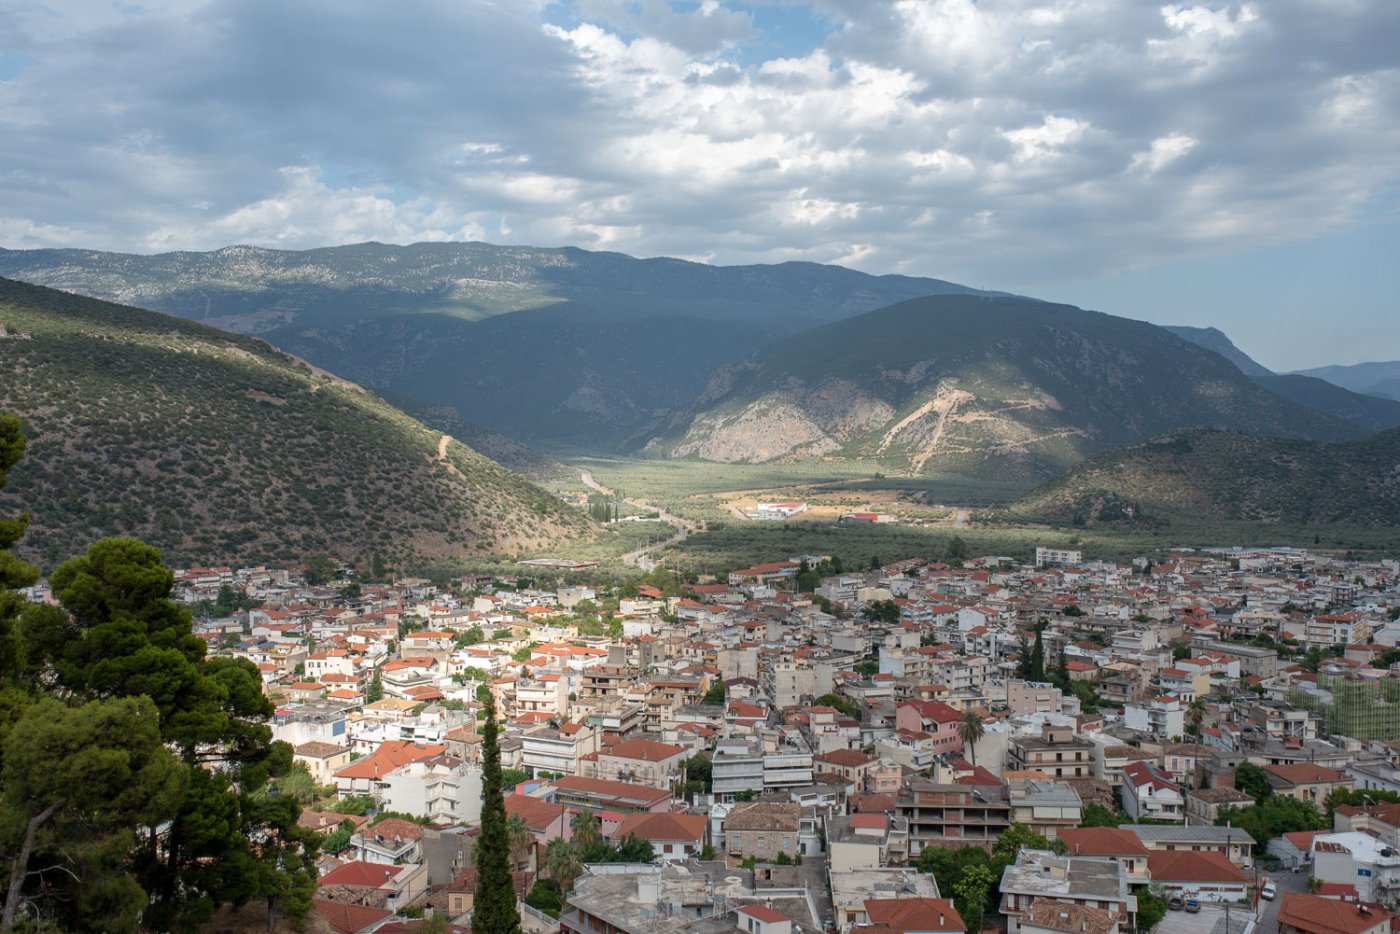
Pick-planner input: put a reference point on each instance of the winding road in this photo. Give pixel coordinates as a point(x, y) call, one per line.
point(639, 557)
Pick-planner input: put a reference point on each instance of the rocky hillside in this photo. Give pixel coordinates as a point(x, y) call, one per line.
point(979, 385)
point(217, 447)
point(1217, 475)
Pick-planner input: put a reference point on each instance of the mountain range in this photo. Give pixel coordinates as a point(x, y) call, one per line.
point(215, 446)
point(976, 384)
point(569, 350)
point(559, 346)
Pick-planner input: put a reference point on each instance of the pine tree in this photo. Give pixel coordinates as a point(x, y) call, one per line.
point(494, 910)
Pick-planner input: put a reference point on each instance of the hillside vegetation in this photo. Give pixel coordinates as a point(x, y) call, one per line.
point(506, 451)
point(989, 386)
point(217, 447)
point(1217, 475)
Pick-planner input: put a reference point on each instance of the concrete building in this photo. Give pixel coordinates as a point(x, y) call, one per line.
point(557, 751)
point(852, 888)
point(1093, 883)
point(1057, 752)
point(762, 829)
point(1148, 792)
point(696, 898)
point(1358, 859)
point(1231, 842)
point(953, 814)
point(1046, 807)
point(1254, 660)
point(1209, 877)
point(1023, 697)
point(1161, 719)
point(1203, 805)
point(1057, 557)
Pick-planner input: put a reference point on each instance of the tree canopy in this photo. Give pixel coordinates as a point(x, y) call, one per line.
point(134, 771)
point(1273, 816)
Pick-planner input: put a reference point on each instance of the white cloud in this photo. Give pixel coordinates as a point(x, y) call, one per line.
point(1164, 151)
point(998, 141)
point(307, 213)
point(1047, 140)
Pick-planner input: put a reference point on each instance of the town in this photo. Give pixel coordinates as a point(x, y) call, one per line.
point(1206, 741)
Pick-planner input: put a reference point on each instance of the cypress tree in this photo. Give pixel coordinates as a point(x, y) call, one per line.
point(1037, 672)
point(493, 910)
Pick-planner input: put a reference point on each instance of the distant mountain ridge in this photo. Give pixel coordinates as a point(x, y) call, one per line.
point(254, 289)
point(214, 447)
point(569, 350)
point(1367, 412)
point(1199, 474)
point(1372, 379)
point(1215, 339)
point(975, 384)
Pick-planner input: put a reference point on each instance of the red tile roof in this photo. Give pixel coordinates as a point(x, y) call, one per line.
point(914, 914)
point(663, 827)
point(392, 827)
point(645, 749)
point(626, 791)
point(1191, 866)
point(360, 875)
point(391, 754)
point(349, 919)
point(1142, 774)
point(536, 813)
point(764, 914)
point(1325, 916)
point(1300, 773)
point(1102, 841)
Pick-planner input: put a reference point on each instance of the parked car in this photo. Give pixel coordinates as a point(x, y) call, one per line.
point(1269, 890)
point(1193, 905)
point(1176, 903)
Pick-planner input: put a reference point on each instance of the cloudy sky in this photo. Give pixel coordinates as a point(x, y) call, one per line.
point(1235, 164)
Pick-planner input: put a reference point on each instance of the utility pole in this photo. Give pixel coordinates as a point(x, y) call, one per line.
point(1229, 836)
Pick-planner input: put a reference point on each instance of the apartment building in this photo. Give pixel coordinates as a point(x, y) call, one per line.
point(1057, 752)
point(557, 751)
point(953, 815)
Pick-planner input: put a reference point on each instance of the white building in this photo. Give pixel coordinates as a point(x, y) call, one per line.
point(1358, 859)
point(1160, 718)
point(1058, 557)
point(1150, 792)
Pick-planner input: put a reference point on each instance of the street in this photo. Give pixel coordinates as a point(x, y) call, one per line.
point(1286, 882)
